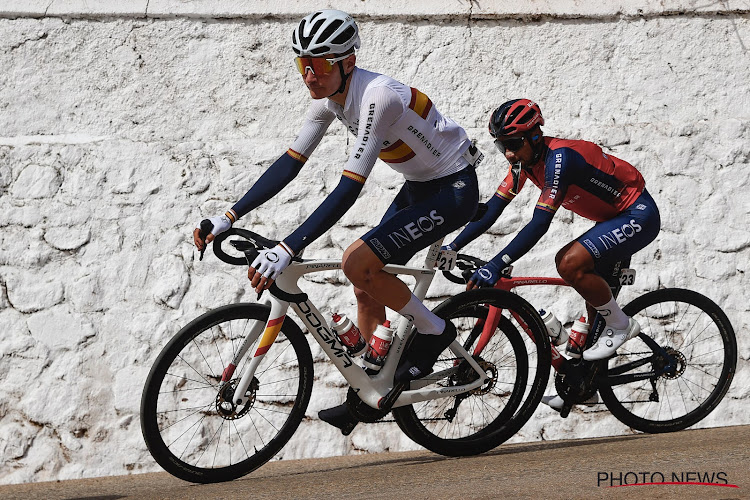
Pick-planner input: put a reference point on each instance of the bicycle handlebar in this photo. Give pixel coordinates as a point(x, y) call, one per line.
point(250, 246)
point(467, 264)
point(252, 242)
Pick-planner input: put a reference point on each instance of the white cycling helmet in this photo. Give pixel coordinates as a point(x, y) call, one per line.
point(325, 32)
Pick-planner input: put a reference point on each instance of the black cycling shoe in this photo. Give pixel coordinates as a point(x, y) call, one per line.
point(423, 352)
point(340, 417)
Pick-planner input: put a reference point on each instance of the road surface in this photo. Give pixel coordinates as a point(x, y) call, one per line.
point(586, 468)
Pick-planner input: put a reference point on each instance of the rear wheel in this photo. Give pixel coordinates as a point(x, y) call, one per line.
point(189, 421)
point(680, 366)
point(517, 369)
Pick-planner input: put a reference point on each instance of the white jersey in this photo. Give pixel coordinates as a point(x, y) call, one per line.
point(393, 122)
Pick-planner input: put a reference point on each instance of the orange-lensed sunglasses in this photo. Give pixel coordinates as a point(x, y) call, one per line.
point(318, 65)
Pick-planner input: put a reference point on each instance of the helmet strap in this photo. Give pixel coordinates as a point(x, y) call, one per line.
point(537, 146)
point(344, 78)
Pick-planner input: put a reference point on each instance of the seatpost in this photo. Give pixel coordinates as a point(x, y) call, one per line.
point(420, 291)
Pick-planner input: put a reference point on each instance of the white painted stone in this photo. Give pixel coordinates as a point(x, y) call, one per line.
point(127, 388)
point(170, 280)
point(59, 328)
point(67, 238)
point(28, 292)
point(36, 181)
point(392, 9)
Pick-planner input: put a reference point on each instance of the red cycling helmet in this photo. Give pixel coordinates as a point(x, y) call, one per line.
point(515, 117)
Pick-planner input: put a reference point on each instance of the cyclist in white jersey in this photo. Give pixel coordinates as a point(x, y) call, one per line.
point(401, 126)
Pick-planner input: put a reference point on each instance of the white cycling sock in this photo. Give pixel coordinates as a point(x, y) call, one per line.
point(424, 320)
point(613, 315)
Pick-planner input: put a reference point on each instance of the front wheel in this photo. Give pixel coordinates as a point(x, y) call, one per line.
point(678, 369)
point(517, 368)
point(189, 421)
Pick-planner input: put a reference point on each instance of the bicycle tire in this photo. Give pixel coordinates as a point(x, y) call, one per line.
point(692, 327)
point(490, 419)
point(185, 429)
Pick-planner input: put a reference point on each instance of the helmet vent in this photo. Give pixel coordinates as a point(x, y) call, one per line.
point(528, 116)
point(330, 30)
point(345, 36)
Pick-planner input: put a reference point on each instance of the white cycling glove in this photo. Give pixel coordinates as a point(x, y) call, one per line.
point(221, 223)
point(271, 263)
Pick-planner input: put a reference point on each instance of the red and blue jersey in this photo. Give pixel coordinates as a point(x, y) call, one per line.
point(581, 177)
point(573, 174)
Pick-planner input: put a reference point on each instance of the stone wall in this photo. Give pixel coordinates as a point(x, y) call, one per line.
point(119, 131)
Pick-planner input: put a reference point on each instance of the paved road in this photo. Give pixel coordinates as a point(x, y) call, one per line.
point(588, 468)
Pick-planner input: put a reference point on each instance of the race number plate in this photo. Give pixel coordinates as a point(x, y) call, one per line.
point(627, 276)
point(446, 260)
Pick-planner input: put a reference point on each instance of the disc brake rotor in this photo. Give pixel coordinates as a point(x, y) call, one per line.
point(680, 364)
point(225, 406)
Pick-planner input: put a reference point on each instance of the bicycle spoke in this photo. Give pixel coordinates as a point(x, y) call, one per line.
point(195, 431)
point(699, 340)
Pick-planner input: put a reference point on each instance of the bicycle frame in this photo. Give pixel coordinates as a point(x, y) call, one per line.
point(507, 284)
point(373, 389)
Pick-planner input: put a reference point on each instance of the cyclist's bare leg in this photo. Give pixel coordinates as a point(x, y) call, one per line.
point(370, 313)
point(576, 266)
point(374, 289)
point(365, 270)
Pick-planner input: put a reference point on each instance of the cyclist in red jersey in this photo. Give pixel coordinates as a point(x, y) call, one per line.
point(579, 176)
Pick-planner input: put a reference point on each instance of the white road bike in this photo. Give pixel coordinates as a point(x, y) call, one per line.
point(230, 389)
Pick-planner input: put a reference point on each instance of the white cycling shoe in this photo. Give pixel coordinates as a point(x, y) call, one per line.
point(556, 402)
point(610, 340)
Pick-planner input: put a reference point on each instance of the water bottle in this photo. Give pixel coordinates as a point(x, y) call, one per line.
point(349, 334)
point(377, 349)
point(577, 339)
point(557, 334)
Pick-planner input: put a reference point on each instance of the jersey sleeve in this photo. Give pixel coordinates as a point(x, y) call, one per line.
point(381, 108)
point(316, 123)
point(556, 174)
point(495, 207)
point(326, 215)
point(273, 180)
point(550, 200)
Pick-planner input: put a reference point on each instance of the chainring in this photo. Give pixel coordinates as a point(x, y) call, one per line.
point(361, 410)
point(465, 375)
point(572, 385)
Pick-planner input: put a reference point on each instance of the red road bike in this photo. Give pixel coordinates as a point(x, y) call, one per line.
point(668, 378)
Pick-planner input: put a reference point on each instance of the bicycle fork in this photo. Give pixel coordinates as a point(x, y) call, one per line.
point(270, 331)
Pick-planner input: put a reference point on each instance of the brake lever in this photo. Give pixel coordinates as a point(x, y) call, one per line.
point(206, 226)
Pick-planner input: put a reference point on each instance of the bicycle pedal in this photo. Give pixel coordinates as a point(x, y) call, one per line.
point(387, 401)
